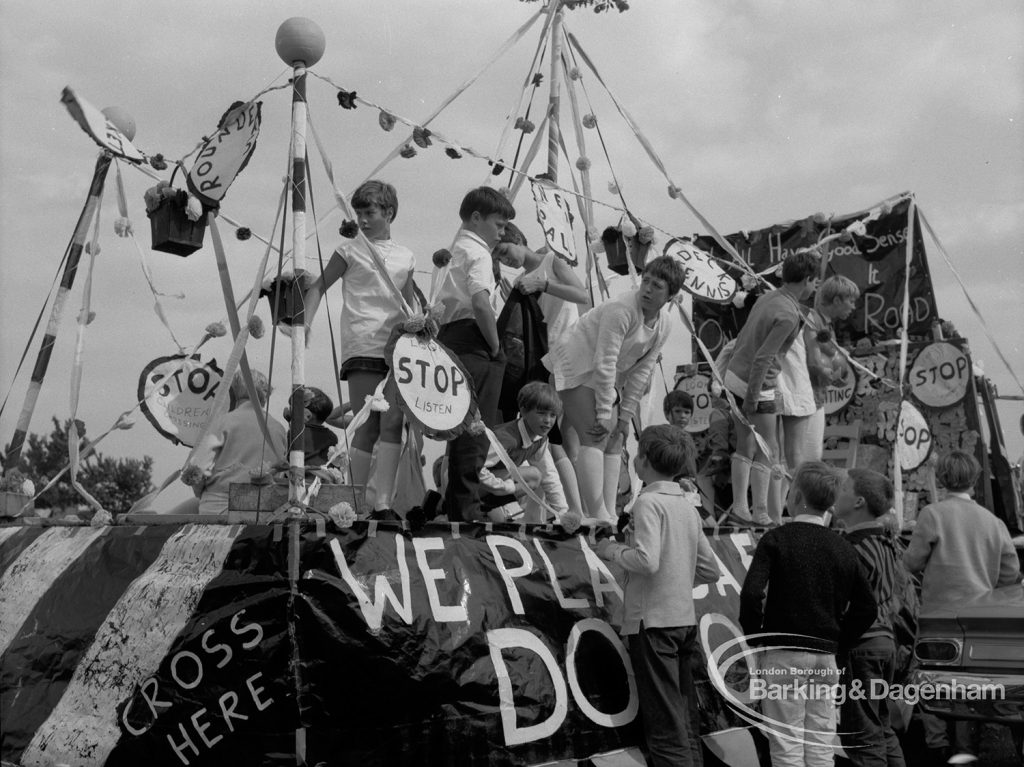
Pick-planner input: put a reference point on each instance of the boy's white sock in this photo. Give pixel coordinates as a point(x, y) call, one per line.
point(590, 473)
point(760, 484)
point(740, 484)
point(612, 469)
point(359, 465)
point(388, 455)
point(570, 485)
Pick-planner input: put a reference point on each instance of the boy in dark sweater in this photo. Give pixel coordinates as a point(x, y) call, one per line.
point(866, 733)
point(804, 596)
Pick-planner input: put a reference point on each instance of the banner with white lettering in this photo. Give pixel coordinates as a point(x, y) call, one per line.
point(189, 645)
point(876, 260)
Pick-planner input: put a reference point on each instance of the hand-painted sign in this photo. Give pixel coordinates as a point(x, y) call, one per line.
point(225, 155)
point(102, 131)
point(177, 395)
point(434, 389)
point(555, 219)
point(697, 386)
point(939, 375)
point(913, 437)
point(703, 277)
point(840, 391)
point(190, 645)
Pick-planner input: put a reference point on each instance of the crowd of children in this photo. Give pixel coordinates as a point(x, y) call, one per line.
point(820, 604)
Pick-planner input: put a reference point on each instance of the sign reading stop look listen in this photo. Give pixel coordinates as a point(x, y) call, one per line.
point(434, 389)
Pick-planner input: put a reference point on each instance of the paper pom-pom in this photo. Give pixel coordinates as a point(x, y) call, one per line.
point(645, 235)
point(583, 163)
point(571, 521)
point(348, 229)
point(386, 120)
point(589, 121)
point(28, 487)
point(243, 233)
point(192, 475)
point(526, 126)
point(86, 319)
point(124, 422)
point(216, 329)
point(538, 78)
point(193, 208)
point(739, 298)
point(441, 258)
point(421, 137)
point(415, 324)
point(101, 518)
point(613, 187)
point(453, 153)
point(628, 228)
point(476, 428)
point(498, 169)
point(378, 404)
point(748, 281)
point(408, 151)
point(342, 514)
point(674, 191)
point(157, 162)
point(436, 312)
point(820, 218)
point(885, 209)
point(122, 227)
point(574, 73)
point(346, 99)
point(857, 228)
point(92, 249)
point(256, 328)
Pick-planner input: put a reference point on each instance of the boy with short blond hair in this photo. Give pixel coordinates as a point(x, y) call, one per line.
point(526, 441)
point(665, 555)
point(469, 330)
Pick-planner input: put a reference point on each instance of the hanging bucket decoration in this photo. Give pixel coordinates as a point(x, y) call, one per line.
point(285, 296)
point(177, 223)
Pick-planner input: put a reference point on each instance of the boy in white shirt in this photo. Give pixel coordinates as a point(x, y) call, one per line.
point(469, 330)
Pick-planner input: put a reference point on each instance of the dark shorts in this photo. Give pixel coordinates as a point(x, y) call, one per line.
point(766, 407)
point(363, 365)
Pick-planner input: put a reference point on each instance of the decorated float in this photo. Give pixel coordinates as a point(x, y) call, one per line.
point(296, 630)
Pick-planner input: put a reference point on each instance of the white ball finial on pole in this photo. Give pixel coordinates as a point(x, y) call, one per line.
point(300, 40)
point(123, 121)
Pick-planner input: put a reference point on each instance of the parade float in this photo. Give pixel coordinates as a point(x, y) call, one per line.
point(296, 630)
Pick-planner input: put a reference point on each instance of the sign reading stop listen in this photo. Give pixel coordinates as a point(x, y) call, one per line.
point(434, 390)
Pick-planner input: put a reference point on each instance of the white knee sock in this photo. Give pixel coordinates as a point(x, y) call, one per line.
point(359, 465)
point(567, 474)
point(590, 473)
point(388, 454)
point(760, 482)
point(740, 483)
point(612, 469)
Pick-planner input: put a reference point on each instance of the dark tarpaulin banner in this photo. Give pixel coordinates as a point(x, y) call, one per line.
point(455, 645)
point(875, 260)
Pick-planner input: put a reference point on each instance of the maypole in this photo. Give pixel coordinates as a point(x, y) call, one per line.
point(124, 123)
point(554, 97)
point(300, 43)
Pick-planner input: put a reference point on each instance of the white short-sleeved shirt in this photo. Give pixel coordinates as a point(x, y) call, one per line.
point(559, 314)
point(470, 271)
point(370, 310)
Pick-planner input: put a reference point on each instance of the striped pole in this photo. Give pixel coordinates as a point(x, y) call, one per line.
point(56, 312)
point(554, 97)
point(300, 43)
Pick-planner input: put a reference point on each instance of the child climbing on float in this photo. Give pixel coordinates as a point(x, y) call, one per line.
point(601, 369)
point(370, 312)
point(559, 295)
point(318, 439)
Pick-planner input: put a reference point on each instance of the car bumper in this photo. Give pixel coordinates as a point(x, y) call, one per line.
point(950, 694)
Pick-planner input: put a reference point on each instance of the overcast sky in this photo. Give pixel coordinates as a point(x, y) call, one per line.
point(762, 112)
